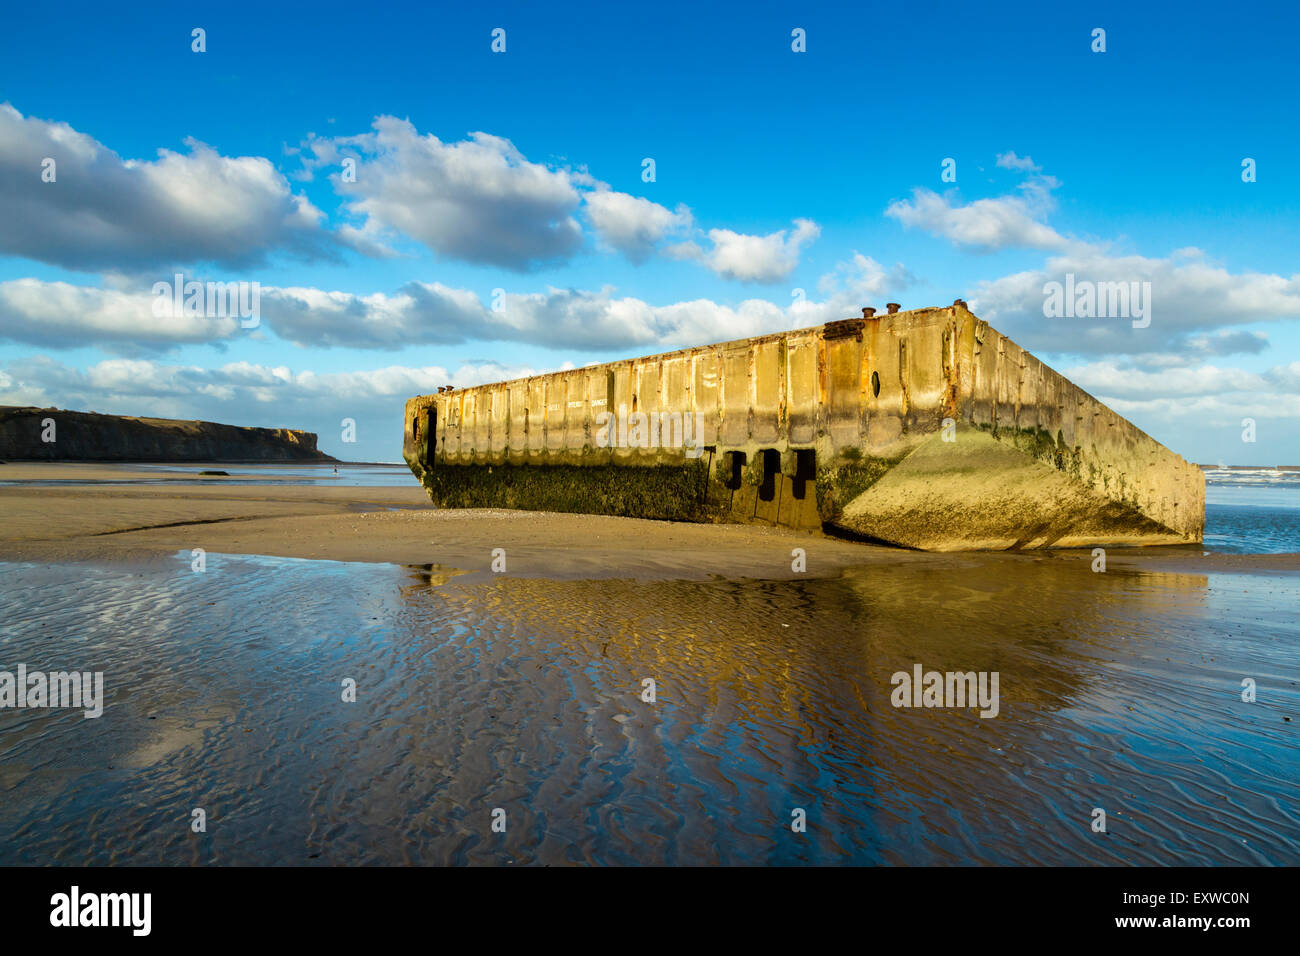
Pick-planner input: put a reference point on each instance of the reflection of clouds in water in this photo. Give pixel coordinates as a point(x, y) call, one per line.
point(489, 691)
point(167, 741)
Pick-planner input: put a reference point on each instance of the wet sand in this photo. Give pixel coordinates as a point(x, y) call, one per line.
point(1118, 691)
point(104, 520)
point(144, 523)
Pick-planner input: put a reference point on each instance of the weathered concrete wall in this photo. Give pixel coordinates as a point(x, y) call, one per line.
point(840, 424)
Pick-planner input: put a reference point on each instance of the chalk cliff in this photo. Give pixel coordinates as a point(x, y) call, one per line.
point(88, 436)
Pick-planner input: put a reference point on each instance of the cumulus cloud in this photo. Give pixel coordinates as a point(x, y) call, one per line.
point(638, 228)
point(988, 225)
point(1193, 305)
point(576, 319)
point(1128, 381)
point(985, 225)
point(62, 315)
point(632, 225)
point(1285, 377)
point(104, 212)
point(479, 200)
point(482, 201)
point(113, 384)
point(601, 320)
point(1226, 343)
point(862, 279)
point(769, 258)
point(417, 314)
point(1202, 420)
point(57, 315)
point(1198, 410)
point(1010, 160)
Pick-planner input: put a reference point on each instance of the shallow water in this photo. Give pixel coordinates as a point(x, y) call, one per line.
point(305, 473)
point(1252, 511)
point(1119, 691)
point(308, 473)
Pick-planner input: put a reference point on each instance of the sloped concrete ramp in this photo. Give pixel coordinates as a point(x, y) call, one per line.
point(977, 492)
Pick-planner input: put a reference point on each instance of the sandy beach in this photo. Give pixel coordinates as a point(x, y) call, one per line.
point(102, 520)
point(101, 515)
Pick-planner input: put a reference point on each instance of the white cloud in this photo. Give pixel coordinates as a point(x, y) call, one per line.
point(479, 200)
point(985, 225)
point(1198, 411)
point(633, 225)
point(1120, 380)
point(1194, 304)
point(769, 258)
point(989, 225)
point(1286, 377)
point(1009, 160)
point(417, 314)
point(57, 315)
point(62, 315)
point(103, 212)
point(638, 227)
point(862, 279)
point(687, 251)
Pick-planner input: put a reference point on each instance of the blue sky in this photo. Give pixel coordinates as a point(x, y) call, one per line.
point(522, 171)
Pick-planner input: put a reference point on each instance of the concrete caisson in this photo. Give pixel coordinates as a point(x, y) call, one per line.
point(926, 429)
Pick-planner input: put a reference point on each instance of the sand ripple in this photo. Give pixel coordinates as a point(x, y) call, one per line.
point(1119, 690)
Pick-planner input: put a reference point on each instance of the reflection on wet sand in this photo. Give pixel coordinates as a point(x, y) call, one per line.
point(1118, 690)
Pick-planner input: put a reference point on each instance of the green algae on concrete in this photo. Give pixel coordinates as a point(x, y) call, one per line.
point(673, 493)
point(842, 482)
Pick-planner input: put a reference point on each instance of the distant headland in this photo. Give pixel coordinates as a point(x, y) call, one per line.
point(54, 434)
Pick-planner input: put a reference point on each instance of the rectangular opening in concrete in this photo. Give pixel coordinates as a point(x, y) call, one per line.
point(425, 432)
point(771, 471)
point(805, 470)
point(736, 463)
